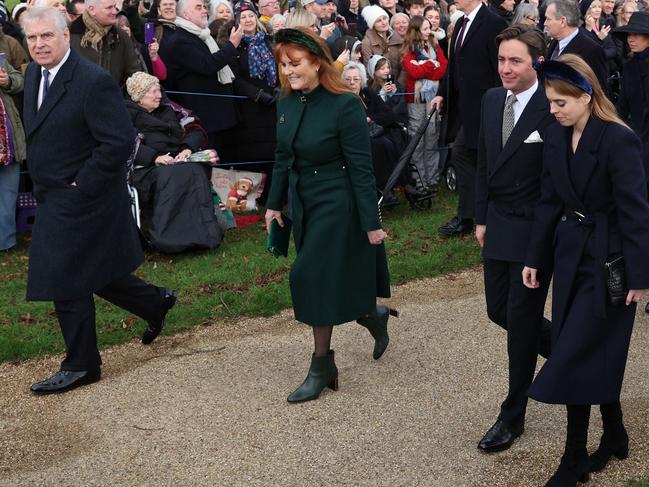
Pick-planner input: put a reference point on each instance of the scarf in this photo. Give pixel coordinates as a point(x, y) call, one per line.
point(225, 75)
point(425, 89)
point(6, 137)
point(95, 32)
point(261, 62)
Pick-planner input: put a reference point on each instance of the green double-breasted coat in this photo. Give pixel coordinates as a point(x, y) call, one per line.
point(324, 154)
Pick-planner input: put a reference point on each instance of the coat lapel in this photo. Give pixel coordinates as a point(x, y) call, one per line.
point(585, 159)
point(32, 82)
point(557, 155)
point(290, 119)
point(55, 93)
point(474, 26)
point(534, 112)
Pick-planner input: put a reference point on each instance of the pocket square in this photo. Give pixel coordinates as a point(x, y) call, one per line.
point(533, 138)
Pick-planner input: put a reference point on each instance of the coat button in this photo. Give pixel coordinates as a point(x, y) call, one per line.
point(315, 172)
point(564, 218)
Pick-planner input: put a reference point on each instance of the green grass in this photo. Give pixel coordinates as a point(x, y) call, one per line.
point(638, 483)
point(238, 279)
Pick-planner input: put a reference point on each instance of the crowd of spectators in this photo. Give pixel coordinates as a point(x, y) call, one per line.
point(216, 61)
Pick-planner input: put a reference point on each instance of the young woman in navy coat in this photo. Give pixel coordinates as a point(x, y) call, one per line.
point(593, 209)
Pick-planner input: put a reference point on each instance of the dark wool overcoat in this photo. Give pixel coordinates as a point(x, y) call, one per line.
point(593, 208)
point(323, 154)
point(84, 236)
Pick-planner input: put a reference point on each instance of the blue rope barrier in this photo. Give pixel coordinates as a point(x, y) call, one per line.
point(204, 94)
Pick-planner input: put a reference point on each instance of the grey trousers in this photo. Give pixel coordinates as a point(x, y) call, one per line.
point(426, 155)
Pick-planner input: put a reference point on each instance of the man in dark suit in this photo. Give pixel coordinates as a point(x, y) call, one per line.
point(472, 70)
point(562, 19)
point(84, 240)
point(510, 159)
point(196, 64)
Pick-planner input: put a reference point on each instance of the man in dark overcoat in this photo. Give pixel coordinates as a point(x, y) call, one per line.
point(510, 160)
point(84, 240)
point(562, 21)
point(472, 70)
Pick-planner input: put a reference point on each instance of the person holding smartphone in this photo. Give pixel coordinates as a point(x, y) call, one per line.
point(424, 64)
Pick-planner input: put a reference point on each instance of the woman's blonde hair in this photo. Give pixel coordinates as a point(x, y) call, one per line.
point(601, 106)
point(300, 18)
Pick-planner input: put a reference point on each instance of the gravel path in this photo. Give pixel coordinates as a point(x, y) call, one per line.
point(208, 408)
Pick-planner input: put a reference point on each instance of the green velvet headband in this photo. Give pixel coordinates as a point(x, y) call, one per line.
point(299, 38)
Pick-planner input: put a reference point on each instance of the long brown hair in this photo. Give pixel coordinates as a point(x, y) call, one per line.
point(413, 39)
point(601, 106)
point(328, 75)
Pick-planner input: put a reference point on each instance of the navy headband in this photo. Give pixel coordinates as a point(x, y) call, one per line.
point(564, 72)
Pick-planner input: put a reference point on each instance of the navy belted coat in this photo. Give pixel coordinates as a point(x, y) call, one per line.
point(593, 208)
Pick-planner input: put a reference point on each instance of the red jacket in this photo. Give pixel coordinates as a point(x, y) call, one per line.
point(422, 71)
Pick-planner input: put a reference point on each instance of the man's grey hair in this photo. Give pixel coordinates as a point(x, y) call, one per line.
point(93, 3)
point(358, 67)
point(51, 14)
point(181, 6)
point(568, 9)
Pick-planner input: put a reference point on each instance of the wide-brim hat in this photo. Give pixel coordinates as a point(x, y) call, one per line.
point(638, 24)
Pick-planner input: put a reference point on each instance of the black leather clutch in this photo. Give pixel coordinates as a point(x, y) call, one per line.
point(616, 281)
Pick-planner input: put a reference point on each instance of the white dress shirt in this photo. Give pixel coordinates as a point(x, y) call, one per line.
point(522, 99)
point(470, 18)
point(53, 73)
point(566, 40)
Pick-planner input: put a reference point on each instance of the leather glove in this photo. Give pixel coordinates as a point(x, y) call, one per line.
point(265, 98)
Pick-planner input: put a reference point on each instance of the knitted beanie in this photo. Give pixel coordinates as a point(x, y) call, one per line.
point(139, 84)
point(371, 14)
point(371, 64)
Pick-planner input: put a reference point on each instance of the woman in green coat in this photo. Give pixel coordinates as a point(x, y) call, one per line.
point(323, 153)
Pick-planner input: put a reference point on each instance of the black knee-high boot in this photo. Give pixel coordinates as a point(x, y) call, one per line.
point(574, 462)
point(615, 440)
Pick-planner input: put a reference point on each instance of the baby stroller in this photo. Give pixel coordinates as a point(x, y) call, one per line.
point(420, 200)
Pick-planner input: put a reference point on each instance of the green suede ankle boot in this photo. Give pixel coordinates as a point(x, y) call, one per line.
point(377, 324)
point(322, 373)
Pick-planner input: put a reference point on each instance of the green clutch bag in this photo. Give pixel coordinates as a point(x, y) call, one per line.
point(279, 237)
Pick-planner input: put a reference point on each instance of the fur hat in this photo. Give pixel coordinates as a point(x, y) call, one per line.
point(138, 85)
point(371, 14)
point(371, 64)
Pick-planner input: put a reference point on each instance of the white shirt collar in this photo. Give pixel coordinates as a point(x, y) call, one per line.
point(566, 40)
point(471, 15)
point(56, 68)
point(522, 99)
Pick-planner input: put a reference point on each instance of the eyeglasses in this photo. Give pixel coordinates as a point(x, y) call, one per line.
point(353, 80)
point(533, 19)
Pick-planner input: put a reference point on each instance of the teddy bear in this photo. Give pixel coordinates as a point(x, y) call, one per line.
point(238, 195)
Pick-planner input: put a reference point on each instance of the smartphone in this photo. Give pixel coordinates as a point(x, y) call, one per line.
point(332, 18)
point(389, 79)
point(2, 59)
point(149, 31)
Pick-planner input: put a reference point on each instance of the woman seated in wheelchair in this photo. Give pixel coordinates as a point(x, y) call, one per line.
point(169, 157)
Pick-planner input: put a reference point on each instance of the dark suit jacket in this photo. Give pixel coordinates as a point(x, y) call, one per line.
point(591, 52)
point(84, 236)
point(478, 70)
point(508, 183)
point(192, 68)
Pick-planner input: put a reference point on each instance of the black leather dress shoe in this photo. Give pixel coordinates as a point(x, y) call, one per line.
point(155, 327)
point(66, 380)
point(500, 437)
point(457, 227)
